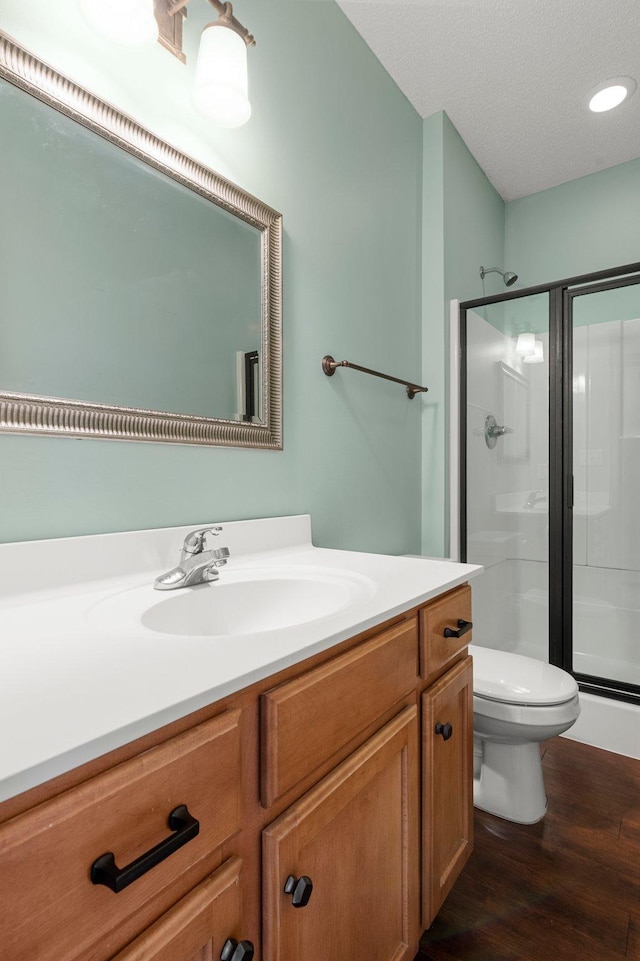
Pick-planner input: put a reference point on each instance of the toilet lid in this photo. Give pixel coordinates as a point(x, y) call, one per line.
point(514, 679)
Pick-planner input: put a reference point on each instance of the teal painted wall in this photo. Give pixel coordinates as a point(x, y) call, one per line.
point(335, 146)
point(474, 223)
point(463, 228)
point(586, 225)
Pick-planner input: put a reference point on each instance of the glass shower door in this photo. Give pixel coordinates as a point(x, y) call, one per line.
point(605, 326)
point(506, 520)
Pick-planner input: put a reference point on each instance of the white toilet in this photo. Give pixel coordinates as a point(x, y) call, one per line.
point(517, 702)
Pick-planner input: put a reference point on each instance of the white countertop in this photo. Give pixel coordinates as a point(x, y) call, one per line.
point(81, 675)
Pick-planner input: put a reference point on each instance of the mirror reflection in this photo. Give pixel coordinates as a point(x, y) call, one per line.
point(141, 291)
point(156, 294)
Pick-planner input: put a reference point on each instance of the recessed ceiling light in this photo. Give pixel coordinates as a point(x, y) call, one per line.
point(610, 94)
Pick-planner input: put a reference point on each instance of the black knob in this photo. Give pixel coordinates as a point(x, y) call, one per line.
point(300, 890)
point(445, 729)
point(233, 950)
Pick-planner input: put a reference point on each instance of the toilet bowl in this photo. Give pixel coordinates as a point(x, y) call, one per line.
point(517, 702)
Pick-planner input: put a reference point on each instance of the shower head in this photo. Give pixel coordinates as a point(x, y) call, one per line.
point(508, 277)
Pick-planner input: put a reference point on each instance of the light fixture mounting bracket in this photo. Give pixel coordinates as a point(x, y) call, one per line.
point(170, 27)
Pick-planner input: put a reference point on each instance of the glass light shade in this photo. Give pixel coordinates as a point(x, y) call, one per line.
point(526, 345)
point(538, 355)
point(221, 86)
point(129, 22)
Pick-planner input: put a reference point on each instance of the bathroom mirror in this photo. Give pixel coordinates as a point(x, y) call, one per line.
point(141, 291)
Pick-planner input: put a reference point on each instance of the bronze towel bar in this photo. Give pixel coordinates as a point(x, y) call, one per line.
point(329, 366)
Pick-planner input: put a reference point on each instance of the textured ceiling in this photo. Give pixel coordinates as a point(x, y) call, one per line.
point(512, 76)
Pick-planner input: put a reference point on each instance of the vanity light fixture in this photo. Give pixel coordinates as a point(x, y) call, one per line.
point(610, 94)
point(221, 90)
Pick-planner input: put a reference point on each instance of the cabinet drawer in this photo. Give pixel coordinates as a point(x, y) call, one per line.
point(438, 652)
point(198, 926)
point(305, 721)
point(51, 908)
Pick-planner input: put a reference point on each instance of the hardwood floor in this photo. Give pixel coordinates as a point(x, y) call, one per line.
point(566, 889)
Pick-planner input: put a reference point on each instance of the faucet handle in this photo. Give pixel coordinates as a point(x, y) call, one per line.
point(194, 541)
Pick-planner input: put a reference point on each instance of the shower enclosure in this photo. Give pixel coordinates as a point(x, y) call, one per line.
point(550, 474)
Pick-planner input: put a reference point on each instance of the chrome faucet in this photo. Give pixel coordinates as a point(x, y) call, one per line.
point(533, 498)
point(197, 566)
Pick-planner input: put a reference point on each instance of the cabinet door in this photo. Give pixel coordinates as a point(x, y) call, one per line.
point(447, 772)
point(355, 836)
point(199, 925)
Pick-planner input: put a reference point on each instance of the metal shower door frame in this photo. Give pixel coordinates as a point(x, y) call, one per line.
point(561, 294)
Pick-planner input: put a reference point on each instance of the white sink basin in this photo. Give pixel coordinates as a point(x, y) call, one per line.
point(239, 603)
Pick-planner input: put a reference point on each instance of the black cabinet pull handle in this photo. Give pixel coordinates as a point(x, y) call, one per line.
point(446, 730)
point(233, 950)
point(463, 628)
point(300, 890)
point(104, 869)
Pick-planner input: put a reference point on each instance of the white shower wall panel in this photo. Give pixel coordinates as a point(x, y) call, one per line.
point(499, 526)
point(510, 608)
point(606, 623)
point(511, 611)
point(607, 443)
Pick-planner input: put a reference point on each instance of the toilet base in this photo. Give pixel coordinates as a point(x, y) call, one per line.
point(508, 780)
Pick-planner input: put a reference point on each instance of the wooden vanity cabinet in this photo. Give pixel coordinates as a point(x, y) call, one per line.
point(329, 770)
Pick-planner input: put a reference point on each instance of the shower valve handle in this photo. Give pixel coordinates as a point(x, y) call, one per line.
point(498, 431)
point(492, 430)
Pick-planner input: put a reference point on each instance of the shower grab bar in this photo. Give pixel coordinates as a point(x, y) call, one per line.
point(329, 366)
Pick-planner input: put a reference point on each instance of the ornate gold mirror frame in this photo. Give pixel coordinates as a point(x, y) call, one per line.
point(35, 414)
